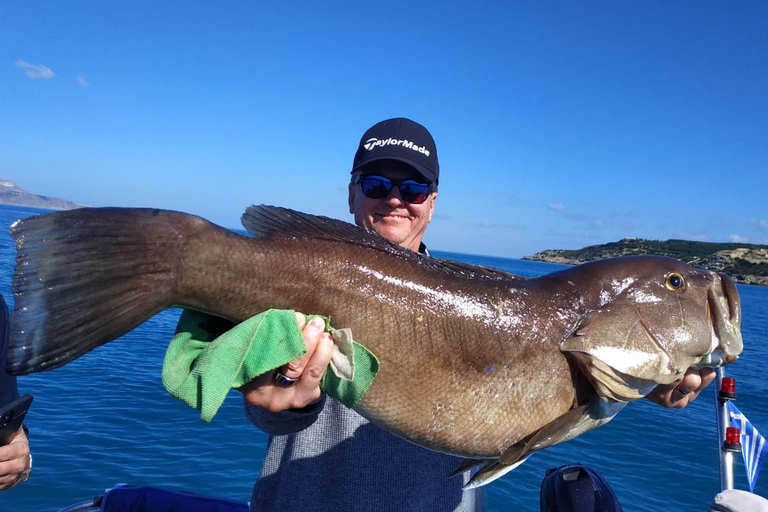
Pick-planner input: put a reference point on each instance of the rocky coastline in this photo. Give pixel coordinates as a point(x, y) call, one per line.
point(745, 263)
point(13, 195)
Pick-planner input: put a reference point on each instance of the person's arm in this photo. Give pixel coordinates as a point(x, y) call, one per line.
point(15, 460)
point(8, 389)
point(684, 391)
point(285, 422)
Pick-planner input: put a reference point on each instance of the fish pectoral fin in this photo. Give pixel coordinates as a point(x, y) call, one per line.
point(571, 424)
point(563, 428)
point(490, 471)
point(467, 465)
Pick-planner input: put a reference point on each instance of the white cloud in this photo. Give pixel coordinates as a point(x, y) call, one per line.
point(738, 239)
point(761, 223)
point(35, 71)
point(556, 206)
point(81, 81)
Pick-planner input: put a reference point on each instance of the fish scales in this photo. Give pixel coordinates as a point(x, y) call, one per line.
point(474, 361)
point(434, 333)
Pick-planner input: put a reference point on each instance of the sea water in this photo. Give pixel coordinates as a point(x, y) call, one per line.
point(106, 419)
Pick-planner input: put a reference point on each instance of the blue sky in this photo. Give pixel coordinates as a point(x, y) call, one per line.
point(558, 124)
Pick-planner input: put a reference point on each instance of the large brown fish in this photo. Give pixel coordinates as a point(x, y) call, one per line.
point(474, 362)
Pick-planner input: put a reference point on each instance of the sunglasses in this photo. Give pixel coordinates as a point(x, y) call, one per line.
point(379, 187)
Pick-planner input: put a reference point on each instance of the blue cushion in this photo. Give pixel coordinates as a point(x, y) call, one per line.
point(152, 499)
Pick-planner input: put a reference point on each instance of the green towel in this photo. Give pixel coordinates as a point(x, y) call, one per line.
point(200, 371)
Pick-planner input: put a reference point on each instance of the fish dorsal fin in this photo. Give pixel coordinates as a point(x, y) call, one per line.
point(275, 222)
point(492, 273)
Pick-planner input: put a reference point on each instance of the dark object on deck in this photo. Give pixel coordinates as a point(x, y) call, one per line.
point(130, 498)
point(575, 488)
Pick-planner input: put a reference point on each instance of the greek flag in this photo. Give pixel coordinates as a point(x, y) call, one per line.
point(753, 445)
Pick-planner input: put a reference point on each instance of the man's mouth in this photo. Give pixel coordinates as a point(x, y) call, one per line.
point(390, 216)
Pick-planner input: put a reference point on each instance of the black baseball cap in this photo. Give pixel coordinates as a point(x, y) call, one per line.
point(403, 140)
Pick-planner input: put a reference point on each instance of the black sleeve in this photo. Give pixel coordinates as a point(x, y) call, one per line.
point(8, 389)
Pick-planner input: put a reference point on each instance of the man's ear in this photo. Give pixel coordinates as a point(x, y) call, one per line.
point(432, 206)
point(351, 199)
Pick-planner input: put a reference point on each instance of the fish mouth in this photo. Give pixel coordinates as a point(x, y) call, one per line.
point(724, 312)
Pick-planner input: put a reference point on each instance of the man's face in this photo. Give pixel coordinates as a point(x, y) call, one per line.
point(391, 217)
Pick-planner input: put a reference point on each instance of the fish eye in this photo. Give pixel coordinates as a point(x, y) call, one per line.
point(674, 281)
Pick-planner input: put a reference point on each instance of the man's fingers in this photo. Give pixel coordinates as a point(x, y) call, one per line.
point(308, 388)
point(276, 392)
point(311, 332)
point(319, 361)
point(707, 375)
point(691, 382)
point(14, 462)
point(694, 381)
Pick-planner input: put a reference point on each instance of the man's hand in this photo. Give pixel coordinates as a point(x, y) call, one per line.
point(15, 461)
point(683, 391)
point(273, 396)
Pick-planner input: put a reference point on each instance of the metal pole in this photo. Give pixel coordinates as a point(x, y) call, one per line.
point(726, 457)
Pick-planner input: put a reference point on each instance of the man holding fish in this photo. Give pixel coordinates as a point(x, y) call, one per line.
point(473, 364)
point(324, 456)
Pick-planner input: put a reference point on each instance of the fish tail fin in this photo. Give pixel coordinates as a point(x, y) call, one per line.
point(77, 268)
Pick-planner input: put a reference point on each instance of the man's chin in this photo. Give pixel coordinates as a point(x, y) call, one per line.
point(392, 231)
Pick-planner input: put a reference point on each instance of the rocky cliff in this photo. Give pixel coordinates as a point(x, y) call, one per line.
point(12, 194)
point(745, 263)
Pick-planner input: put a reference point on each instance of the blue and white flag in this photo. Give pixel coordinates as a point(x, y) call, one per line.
point(753, 445)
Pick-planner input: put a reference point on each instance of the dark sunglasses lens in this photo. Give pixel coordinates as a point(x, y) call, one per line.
point(414, 192)
point(379, 187)
point(375, 187)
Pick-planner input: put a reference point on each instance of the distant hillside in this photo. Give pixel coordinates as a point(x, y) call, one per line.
point(11, 194)
point(745, 263)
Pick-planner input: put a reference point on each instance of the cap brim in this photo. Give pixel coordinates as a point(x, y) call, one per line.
point(425, 173)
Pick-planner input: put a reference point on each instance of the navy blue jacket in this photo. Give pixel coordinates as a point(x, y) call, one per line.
point(8, 390)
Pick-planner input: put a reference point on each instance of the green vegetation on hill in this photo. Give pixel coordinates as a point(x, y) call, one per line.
point(746, 263)
point(685, 250)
